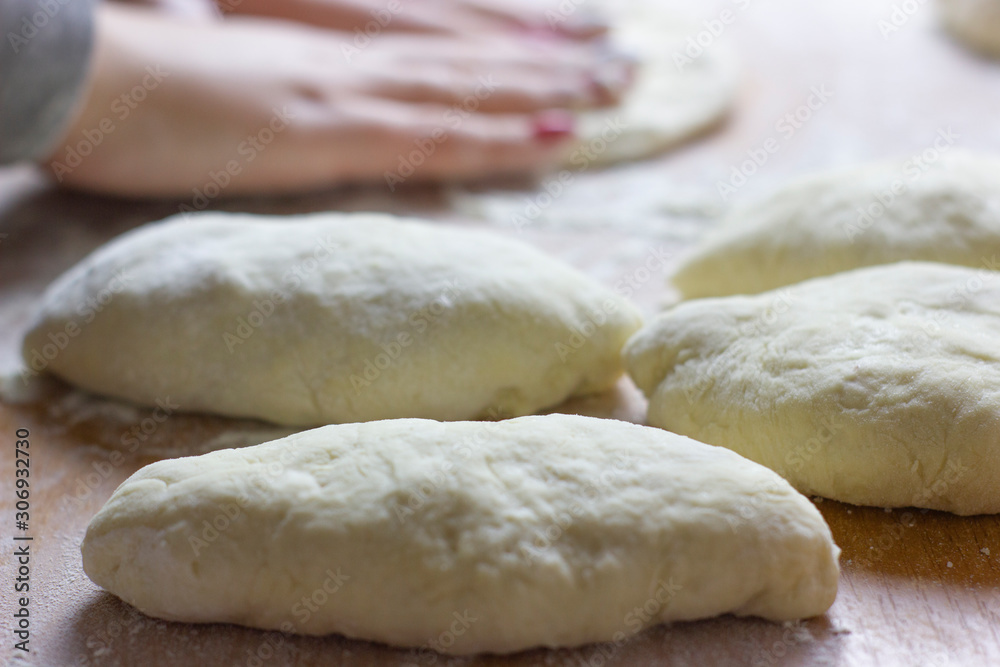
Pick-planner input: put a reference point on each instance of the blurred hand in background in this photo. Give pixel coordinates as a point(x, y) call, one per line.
point(272, 96)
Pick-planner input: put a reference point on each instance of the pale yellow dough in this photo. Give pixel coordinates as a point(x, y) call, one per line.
point(946, 210)
point(878, 386)
point(329, 318)
point(674, 96)
point(464, 537)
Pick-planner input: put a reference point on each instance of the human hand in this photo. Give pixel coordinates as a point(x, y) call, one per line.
point(272, 107)
point(457, 17)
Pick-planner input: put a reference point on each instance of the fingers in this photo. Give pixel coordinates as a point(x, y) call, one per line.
point(439, 17)
point(474, 145)
point(506, 75)
point(394, 143)
point(505, 87)
point(201, 10)
point(584, 24)
point(577, 22)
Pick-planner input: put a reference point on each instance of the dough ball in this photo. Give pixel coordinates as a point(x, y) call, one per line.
point(946, 210)
point(329, 318)
point(878, 386)
point(675, 96)
point(464, 537)
point(976, 23)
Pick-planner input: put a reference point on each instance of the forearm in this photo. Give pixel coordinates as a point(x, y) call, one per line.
point(44, 61)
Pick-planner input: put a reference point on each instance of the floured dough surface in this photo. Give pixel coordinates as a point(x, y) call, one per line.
point(878, 386)
point(944, 210)
point(464, 537)
point(329, 318)
point(974, 22)
point(671, 100)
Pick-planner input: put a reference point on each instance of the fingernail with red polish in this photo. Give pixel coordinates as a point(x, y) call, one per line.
point(553, 125)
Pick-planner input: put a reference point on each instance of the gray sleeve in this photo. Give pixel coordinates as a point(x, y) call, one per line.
point(44, 60)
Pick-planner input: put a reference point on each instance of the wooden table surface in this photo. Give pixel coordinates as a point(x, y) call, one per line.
point(917, 588)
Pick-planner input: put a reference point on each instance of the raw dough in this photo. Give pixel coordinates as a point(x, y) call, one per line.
point(975, 22)
point(329, 318)
point(948, 212)
point(671, 99)
point(464, 537)
point(878, 386)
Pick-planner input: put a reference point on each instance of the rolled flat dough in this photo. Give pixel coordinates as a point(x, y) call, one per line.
point(671, 99)
point(464, 537)
point(947, 210)
point(878, 386)
point(329, 318)
point(976, 23)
